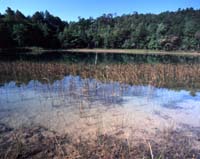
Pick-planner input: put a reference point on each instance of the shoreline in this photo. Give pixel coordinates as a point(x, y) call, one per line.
point(104, 51)
point(135, 51)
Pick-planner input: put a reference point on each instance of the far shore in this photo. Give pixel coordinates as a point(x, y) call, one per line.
point(135, 51)
point(99, 51)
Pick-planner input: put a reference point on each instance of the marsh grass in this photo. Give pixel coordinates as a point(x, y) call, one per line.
point(174, 76)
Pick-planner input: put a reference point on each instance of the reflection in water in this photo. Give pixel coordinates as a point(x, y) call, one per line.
point(88, 106)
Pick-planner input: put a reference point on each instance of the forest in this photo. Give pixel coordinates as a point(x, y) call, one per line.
point(179, 30)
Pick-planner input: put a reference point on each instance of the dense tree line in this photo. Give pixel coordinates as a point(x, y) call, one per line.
point(178, 30)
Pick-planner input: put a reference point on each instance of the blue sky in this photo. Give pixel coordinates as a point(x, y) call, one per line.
point(70, 9)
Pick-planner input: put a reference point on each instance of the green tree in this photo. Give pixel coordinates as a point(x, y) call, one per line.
point(168, 30)
point(38, 17)
point(197, 37)
point(10, 15)
point(19, 34)
point(5, 37)
point(19, 16)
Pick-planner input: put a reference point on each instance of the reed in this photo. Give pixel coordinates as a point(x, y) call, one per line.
point(174, 76)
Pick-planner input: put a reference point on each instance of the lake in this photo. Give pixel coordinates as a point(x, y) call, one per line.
point(132, 101)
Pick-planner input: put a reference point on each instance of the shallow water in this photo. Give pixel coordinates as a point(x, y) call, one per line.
point(87, 107)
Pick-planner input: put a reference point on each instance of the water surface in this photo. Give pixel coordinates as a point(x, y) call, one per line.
point(86, 106)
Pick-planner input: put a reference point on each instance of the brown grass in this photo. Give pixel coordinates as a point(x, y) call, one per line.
point(174, 76)
point(38, 142)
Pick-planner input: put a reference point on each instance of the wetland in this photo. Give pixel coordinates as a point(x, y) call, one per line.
point(69, 106)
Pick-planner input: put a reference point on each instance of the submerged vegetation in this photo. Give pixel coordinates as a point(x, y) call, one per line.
point(178, 30)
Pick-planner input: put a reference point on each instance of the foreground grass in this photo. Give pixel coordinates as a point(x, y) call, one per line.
point(38, 142)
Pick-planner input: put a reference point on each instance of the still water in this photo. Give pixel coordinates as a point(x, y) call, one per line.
point(87, 106)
